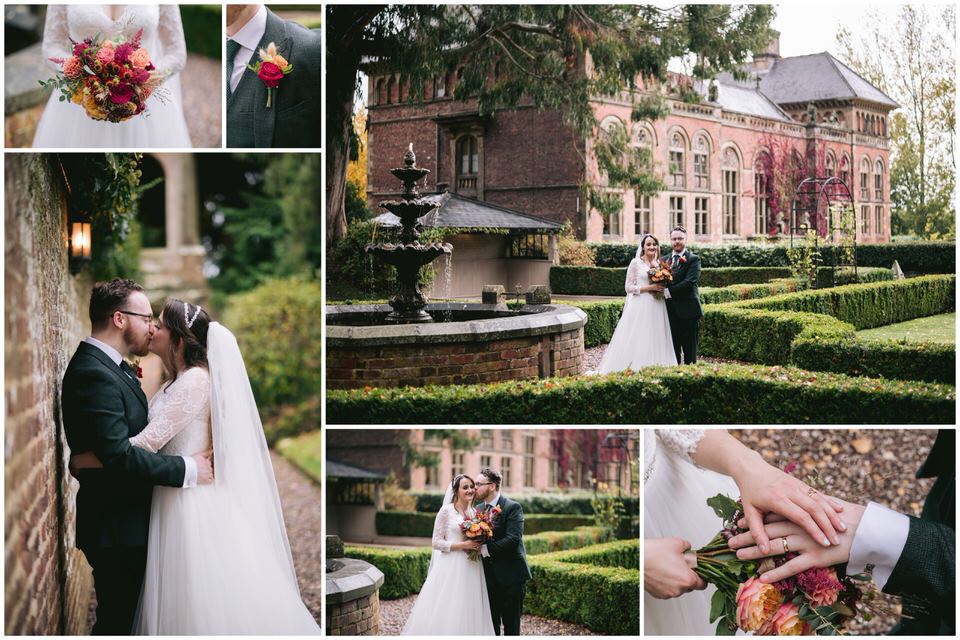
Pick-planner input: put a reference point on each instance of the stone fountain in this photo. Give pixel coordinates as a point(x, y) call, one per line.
point(409, 255)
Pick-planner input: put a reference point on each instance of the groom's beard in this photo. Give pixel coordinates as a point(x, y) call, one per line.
point(138, 346)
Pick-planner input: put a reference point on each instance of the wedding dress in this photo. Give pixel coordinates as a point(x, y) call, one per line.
point(675, 493)
point(453, 599)
point(64, 124)
point(218, 558)
point(642, 337)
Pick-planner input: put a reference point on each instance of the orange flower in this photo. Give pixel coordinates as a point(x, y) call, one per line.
point(140, 58)
point(756, 603)
point(785, 622)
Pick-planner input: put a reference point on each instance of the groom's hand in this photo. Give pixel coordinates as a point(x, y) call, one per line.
point(667, 570)
point(204, 462)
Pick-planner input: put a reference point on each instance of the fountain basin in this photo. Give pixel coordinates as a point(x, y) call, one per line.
point(467, 343)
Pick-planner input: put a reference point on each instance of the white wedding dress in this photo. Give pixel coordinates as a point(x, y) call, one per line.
point(675, 493)
point(642, 337)
point(453, 600)
point(64, 124)
point(218, 558)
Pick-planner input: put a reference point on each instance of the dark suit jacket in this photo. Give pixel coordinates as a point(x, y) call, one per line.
point(507, 563)
point(293, 120)
point(684, 301)
point(102, 408)
point(925, 574)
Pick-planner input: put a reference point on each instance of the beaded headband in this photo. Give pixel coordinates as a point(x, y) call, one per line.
point(186, 314)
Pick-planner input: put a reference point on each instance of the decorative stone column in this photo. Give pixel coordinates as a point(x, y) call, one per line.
point(353, 594)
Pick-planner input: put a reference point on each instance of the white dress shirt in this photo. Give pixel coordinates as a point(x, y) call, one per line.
point(190, 465)
point(879, 540)
point(492, 502)
point(248, 37)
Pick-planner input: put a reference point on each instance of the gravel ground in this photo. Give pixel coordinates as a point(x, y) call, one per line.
point(394, 613)
point(857, 465)
point(593, 355)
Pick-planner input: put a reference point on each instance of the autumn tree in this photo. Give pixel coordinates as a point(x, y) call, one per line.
point(555, 56)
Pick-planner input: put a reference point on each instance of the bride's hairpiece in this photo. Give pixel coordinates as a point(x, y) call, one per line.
point(186, 314)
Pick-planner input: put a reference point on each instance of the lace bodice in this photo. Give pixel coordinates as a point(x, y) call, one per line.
point(446, 528)
point(179, 416)
point(637, 276)
point(682, 442)
point(162, 31)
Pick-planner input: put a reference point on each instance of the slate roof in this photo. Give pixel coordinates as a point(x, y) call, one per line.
point(818, 76)
point(744, 98)
point(456, 211)
point(342, 470)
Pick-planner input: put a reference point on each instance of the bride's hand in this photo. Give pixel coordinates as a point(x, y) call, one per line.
point(667, 570)
point(811, 554)
point(468, 545)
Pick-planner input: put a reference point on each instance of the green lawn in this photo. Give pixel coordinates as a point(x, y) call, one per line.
point(939, 328)
point(304, 452)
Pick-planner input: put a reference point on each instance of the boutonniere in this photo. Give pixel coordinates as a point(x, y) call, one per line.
point(136, 365)
point(271, 68)
point(683, 260)
point(494, 512)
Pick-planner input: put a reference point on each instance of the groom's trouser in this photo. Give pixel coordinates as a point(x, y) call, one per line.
point(686, 336)
point(506, 606)
point(117, 577)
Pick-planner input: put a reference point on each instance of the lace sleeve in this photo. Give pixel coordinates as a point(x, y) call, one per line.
point(633, 277)
point(682, 442)
point(173, 47)
point(187, 400)
point(440, 541)
point(56, 35)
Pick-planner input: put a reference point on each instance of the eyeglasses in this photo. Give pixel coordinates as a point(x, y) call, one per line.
point(480, 484)
point(148, 316)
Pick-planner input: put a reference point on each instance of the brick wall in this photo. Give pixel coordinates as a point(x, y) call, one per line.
point(48, 582)
point(463, 363)
point(355, 618)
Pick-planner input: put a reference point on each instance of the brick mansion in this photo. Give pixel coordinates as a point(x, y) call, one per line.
point(708, 152)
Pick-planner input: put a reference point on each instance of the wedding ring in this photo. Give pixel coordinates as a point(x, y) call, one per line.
point(810, 492)
point(786, 547)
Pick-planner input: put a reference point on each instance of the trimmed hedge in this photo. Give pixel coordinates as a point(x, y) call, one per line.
point(609, 281)
point(534, 503)
point(413, 523)
point(929, 361)
point(620, 553)
point(914, 257)
point(709, 393)
point(601, 598)
point(736, 292)
point(404, 570)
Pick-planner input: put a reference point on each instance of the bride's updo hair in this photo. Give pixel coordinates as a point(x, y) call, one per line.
point(190, 331)
point(456, 486)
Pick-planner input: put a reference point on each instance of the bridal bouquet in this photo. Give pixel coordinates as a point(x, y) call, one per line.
point(110, 79)
point(660, 274)
point(818, 601)
point(480, 528)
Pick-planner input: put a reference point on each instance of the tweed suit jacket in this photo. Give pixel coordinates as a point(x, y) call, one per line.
point(684, 300)
point(293, 120)
point(103, 408)
point(925, 573)
point(507, 564)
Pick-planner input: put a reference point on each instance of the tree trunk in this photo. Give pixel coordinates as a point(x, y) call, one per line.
point(341, 86)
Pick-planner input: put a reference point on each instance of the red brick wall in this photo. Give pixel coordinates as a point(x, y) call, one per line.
point(48, 582)
point(463, 363)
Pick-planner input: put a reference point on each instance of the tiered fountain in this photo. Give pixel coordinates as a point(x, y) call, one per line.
point(409, 255)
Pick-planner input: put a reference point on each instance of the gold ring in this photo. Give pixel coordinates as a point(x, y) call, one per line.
point(810, 492)
point(786, 547)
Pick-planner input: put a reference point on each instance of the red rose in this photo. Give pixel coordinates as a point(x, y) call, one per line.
point(271, 75)
point(121, 93)
point(139, 371)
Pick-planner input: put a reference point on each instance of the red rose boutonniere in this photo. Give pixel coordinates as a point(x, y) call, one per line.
point(138, 368)
point(271, 68)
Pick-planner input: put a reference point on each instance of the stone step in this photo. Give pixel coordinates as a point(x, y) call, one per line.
point(23, 70)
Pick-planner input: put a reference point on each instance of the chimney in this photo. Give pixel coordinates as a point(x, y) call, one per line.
point(763, 60)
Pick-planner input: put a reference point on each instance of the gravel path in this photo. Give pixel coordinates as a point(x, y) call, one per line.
point(593, 355)
point(394, 613)
point(857, 465)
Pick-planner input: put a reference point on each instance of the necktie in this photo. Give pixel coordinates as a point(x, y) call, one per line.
point(232, 47)
point(127, 369)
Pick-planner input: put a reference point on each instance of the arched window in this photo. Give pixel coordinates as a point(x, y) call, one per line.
point(440, 86)
point(612, 127)
point(391, 89)
point(731, 192)
point(468, 164)
point(878, 181)
point(678, 158)
point(763, 188)
point(845, 171)
point(830, 165)
point(865, 179)
point(380, 94)
point(701, 162)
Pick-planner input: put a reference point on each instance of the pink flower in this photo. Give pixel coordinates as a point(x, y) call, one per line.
point(790, 467)
point(140, 58)
point(123, 53)
point(821, 585)
point(72, 67)
point(756, 603)
point(121, 93)
point(105, 55)
point(785, 622)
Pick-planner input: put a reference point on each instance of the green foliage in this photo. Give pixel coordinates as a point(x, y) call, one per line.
point(417, 524)
point(304, 452)
point(396, 498)
point(562, 503)
point(294, 180)
point(351, 272)
point(457, 439)
point(940, 328)
point(580, 587)
point(737, 292)
point(356, 204)
point(201, 28)
point(709, 393)
point(805, 257)
point(929, 361)
point(278, 328)
point(575, 252)
point(289, 420)
point(607, 513)
point(609, 281)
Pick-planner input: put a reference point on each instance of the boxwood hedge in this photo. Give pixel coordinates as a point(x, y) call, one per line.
point(930, 361)
point(609, 281)
point(414, 523)
point(709, 393)
point(560, 503)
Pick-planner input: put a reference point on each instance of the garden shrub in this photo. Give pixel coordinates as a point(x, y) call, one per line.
point(929, 361)
point(609, 281)
point(291, 420)
point(709, 393)
point(277, 326)
point(620, 553)
point(559, 503)
point(575, 252)
point(201, 28)
point(418, 524)
point(737, 292)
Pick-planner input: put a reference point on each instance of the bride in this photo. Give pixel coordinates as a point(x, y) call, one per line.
point(218, 558)
point(642, 336)
point(684, 467)
point(453, 599)
point(64, 124)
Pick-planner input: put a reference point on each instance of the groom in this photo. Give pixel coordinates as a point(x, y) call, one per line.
point(683, 297)
point(293, 117)
point(104, 406)
point(504, 558)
